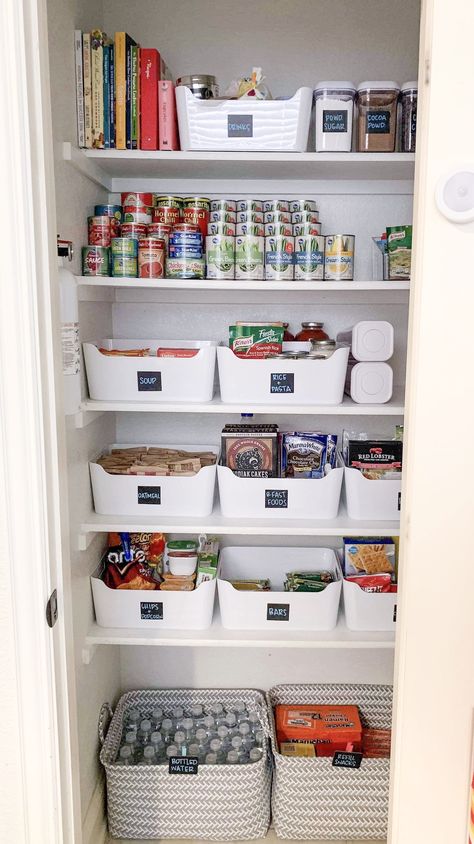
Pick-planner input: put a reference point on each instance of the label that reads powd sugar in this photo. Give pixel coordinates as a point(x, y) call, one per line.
point(378, 122)
point(334, 121)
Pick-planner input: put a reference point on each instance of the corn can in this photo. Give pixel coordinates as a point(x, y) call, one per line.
point(279, 257)
point(220, 256)
point(95, 260)
point(309, 257)
point(249, 257)
point(151, 257)
point(339, 257)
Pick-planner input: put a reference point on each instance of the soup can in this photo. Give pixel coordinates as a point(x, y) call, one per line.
point(339, 257)
point(185, 239)
point(277, 217)
point(249, 217)
point(223, 205)
point(100, 230)
point(95, 260)
point(197, 202)
point(279, 257)
point(159, 230)
point(304, 217)
point(185, 251)
point(109, 211)
point(136, 230)
point(124, 266)
point(276, 205)
point(127, 246)
point(306, 228)
point(167, 201)
point(303, 205)
point(221, 228)
point(185, 267)
point(151, 257)
point(186, 227)
point(137, 215)
point(198, 216)
point(136, 200)
point(249, 257)
point(283, 229)
point(309, 257)
point(168, 215)
point(255, 229)
point(220, 256)
point(250, 205)
point(222, 216)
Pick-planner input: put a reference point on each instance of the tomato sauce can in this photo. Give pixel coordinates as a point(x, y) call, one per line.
point(197, 202)
point(95, 260)
point(124, 266)
point(151, 257)
point(136, 230)
point(109, 211)
point(101, 230)
point(167, 201)
point(132, 214)
point(127, 246)
point(197, 216)
point(136, 200)
point(167, 215)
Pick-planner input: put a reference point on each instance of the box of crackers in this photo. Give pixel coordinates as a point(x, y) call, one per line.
point(369, 555)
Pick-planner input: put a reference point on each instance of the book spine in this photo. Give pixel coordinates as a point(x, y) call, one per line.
point(106, 75)
point(81, 133)
point(128, 95)
point(86, 55)
point(120, 90)
point(134, 131)
point(97, 71)
point(167, 121)
point(112, 96)
point(149, 65)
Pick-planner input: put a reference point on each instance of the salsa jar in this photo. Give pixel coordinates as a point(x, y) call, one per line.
point(409, 101)
point(377, 116)
point(311, 331)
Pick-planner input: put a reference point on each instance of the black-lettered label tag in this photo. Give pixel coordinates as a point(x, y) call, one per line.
point(240, 126)
point(149, 382)
point(282, 382)
point(346, 759)
point(149, 495)
point(151, 610)
point(334, 121)
point(378, 122)
point(278, 612)
point(276, 499)
point(399, 501)
point(183, 765)
point(394, 617)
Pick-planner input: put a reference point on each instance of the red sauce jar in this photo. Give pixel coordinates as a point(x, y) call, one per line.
point(287, 336)
point(311, 331)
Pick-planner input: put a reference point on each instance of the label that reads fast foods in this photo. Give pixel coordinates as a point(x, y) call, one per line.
point(276, 499)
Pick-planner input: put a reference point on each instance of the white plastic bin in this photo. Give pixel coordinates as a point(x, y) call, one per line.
point(148, 495)
point(369, 382)
point(369, 610)
point(277, 610)
point(244, 124)
point(282, 382)
point(153, 609)
point(370, 339)
point(366, 499)
point(150, 379)
point(279, 498)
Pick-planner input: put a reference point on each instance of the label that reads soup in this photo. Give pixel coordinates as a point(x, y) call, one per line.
point(149, 382)
point(334, 120)
point(378, 122)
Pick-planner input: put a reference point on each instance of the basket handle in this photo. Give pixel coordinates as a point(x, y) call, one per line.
point(105, 717)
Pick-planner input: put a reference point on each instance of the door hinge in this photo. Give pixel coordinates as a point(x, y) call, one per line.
point(52, 609)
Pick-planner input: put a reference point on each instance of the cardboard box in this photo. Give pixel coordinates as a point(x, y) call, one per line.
point(327, 728)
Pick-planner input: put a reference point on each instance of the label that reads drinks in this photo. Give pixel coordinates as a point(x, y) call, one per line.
point(278, 612)
point(149, 382)
point(334, 120)
point(183, 765)
point(346, 759)
point(282, 382)
point(378, 122)
point(151, 610)
point(240, 126)
point(276, 499)
point(149, 495)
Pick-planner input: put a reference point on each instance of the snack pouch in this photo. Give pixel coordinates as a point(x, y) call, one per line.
point(372, 582)
point(303, 455)
point(133, 560)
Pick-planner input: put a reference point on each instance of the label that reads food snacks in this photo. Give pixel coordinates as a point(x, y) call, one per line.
point(149, 495)
point(183, 765)
point(346, 759)
point(334, 120)
point(378, 122)
point(240, 126)
point(282, 382)
point(151, 610)
point(149, 382)
point(278, 612)
point(276, 499)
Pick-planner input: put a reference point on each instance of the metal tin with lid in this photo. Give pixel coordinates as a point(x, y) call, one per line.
point(203, 85)
point(323, 348)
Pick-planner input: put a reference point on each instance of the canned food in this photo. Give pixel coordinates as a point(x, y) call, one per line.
point(202, 85)
point(178, 238)
point(137, 200)
point(185, 251)
point(197, 202)
point(220, 256)
point(127, 246)
point(123, 266)
point(339, 257)
point(101, 230)
point(303, 205)
point(306, 228)
point(167, 215)
point(249, 217)
point(305, 217)
point(223, 205)
point(250, 205)
point(185, 268)
point(277, 217)
point(109, 211)
point(279, 257)
point(249, 257)
point(284, 229)
point(186, 227)
point(167, 201)
point(151, 257)
point(255, 229)
point(137, 215)
point(198, 216)
point(221, 228)
point(276, 205)
point(95, 260)
point(222, 216)
point(136, 230)
point(309, 257)
point(159, 230)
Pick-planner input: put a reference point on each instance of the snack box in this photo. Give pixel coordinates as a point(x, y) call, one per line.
point(369, 555)
point(399, 240)
point(328, 728)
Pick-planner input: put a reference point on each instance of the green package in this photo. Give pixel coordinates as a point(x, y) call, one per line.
point(208, 559)
point(399, 240)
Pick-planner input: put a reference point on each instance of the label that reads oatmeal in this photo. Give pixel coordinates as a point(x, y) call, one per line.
point(334, 120)
point(378, 122)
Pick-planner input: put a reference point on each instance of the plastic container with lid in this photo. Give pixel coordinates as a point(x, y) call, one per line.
point(369, 382)
point(311, 331)
point(409, 101)
point(377, 116)
point(334, 107)
point(370, 340)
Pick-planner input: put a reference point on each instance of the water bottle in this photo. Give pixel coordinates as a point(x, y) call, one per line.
point(158, 744)
point(132, 742)
point(144, 732)
point(180, 742)
point(223, 735)
point(259, 738)
point(255, 754)
point(211, 759)
point(167, 731)
point(199, 752)
point(157, 717)
point(241, 711)
point(231, 724)
point(218, 714)
point(149, 757)
point(133, 719)
point(232, 758)
point(216, 747)
point(248, 739)
point(177, 716)
point(210, 726)
point(254, 720)
point(238, 746)
point(187, 728)
point(171, 750)
point(125, 756)
point(196, 712)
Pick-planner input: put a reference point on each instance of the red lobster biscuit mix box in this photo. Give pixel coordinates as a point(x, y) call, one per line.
point(327, 728)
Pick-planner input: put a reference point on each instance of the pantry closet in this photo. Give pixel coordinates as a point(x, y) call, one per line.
point(296, 44)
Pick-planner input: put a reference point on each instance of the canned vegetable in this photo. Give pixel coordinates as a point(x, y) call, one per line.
point(95, 260)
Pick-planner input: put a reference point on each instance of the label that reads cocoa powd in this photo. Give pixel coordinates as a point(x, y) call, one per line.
point(334, 120)
point(378, 122)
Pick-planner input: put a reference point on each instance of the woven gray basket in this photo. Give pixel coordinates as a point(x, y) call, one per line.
point(311, 798)
point(224, 802)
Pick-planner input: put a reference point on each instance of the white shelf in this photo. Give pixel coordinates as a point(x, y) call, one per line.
point(271, 838)
point(236, 284)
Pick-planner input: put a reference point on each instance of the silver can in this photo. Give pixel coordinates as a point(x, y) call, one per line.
point(309, 258)
point(255, 229)
point(222, 216)
point(250, 205)
point(306, 228)
point(303, 205)
point(279, 252)
point(220, 256)
point(276, 205)
point(339, 257)
point(305, 217)
point(249, 217)
point(249, 257)
point(277, 217)
point(203, 86)
point(223, 205)
point(227, 229)
point(284, 229)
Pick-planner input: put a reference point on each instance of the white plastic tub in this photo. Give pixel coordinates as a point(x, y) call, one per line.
point(126, 495)
point(143, 608)
point(366, 499)
point(282, 382)
point(369, 382)
point(277, 610)
point(279, 498)
point(369, 610)
point(244, 124)
point(150, 379)
point(370, 339)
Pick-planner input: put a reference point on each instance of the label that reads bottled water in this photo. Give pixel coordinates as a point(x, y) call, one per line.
point(183, 765)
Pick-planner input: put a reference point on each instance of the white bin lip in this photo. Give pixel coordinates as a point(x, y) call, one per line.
point(335, 564)
point(285, 365)
point(241, 105)
point(98, 572)
point(213, 448)
point(339, 466)
point(362, 479)
point(153, 343)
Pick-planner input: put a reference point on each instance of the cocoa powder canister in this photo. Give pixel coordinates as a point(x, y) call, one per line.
point(377, 126)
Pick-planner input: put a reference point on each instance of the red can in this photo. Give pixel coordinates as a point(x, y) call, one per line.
point(142, 215)
point(136, 230)
point(160, 230)
point(186, 227)
point(101, 230)
point(137, 200)
point(151, 257)
point(167, 215)
point(198, 216)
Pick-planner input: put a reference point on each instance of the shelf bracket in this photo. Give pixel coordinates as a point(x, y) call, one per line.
point(88, 652)
point(86, 166)
point(84, 540)
point(84, 417)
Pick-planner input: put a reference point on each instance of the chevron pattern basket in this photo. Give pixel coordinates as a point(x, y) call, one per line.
point(313, 800)
point(223, 802)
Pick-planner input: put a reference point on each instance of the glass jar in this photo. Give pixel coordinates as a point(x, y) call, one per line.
point(377, 116)
point(323, 348)
point(409, 100)
point(334, 106)
point(311, 331)
point(287, 335)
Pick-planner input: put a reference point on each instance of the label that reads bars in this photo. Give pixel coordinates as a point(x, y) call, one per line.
point(149, 495)
point(278, 612)
point(240, 126)
point(346, 759)
point(151, 610)
point(282, 382)
point(183, 765)
point(149, 382)
point(276, 499)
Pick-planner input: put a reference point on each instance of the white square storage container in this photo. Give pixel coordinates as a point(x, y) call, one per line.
point(369, 610)
point(282, 382)
point(366, 499)
point(150, 379)
point(279, 498)
point(153, 609)
point(277, 610)
point(246, 124)
point(151, 495)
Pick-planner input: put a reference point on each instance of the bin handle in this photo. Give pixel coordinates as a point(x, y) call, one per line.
point(105, 717)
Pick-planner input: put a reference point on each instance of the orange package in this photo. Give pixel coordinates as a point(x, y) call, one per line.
point(328, 728)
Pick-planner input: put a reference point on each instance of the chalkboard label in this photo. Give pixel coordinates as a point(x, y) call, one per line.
point(183, 765)
point(276, 499)
point(240, 126)
point(334, 121)
point(149, 495)
point(394, 618)
point(278, 612)
point(346, 759)
point(151, 610)
point(149, 382)
point(282, 382)
point(399, 500)
point(378, 122)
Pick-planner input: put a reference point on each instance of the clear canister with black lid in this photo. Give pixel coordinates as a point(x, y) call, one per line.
point(377, 129)
point(409, 103)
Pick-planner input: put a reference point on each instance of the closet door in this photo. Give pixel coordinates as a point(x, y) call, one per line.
point(434, 672)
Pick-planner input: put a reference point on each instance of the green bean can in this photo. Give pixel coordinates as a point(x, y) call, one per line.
point(279, 251)
point(249, 257)
point(124, 266)
point(309, 257)
point(220, 256)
